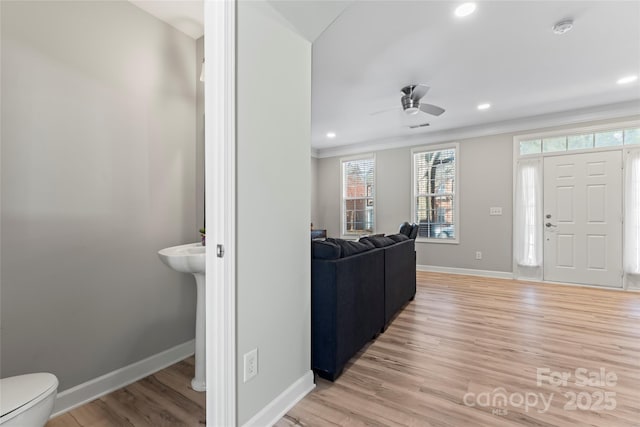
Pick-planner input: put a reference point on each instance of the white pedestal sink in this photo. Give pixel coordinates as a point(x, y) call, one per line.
point(190, 258)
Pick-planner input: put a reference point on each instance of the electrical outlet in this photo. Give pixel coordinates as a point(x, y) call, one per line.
point(250, 364)
point(495, 211)
point(478, 255)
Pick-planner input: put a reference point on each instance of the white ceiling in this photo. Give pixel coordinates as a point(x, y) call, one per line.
point(184, 15)
point(309, 18)
point(504, 54)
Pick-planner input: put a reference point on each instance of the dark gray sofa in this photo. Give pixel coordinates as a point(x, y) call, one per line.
point(356, 290)
point(399, 277)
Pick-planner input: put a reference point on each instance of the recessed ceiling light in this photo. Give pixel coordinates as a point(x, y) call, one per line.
point(465, 9)
point(563, 26)
point(627, 79)
point(331, 135)
point(484, 106)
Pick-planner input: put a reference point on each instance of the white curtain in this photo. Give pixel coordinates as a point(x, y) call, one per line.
point(632, 219)
point(528, 219)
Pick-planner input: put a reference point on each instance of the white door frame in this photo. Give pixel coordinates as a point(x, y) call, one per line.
point(220, 203)
point(622, 124)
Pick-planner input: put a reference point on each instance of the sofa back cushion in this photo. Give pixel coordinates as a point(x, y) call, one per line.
point(398, 237)
point(414, 231)
point(405, 228)
point(379, 242)
point(325, 250)
point(349, 247)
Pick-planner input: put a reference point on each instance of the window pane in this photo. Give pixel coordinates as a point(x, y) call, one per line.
point(609, 139)
point(357, 193)
point(550, 145)
point(580, 142)
point(435, 187)
point(530, 147)
point(632, 136)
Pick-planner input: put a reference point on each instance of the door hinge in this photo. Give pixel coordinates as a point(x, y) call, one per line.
point(220, 251)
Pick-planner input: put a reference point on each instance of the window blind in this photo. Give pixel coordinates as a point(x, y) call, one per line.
point(435, 193)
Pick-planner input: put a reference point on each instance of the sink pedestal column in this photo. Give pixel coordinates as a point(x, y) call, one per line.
point(198, 383)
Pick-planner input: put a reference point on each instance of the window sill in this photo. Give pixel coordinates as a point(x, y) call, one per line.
point(353, 237)
point(439, 241)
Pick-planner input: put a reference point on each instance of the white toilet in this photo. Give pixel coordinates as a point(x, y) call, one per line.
point(27, 400)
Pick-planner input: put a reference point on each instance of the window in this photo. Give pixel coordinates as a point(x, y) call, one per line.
point(614, 138)
point(527, 247)
point(435, 199)
point(358, 195)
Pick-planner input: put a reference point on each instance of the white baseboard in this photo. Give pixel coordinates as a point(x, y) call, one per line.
point(466, 271)
point(270, 414)
point(97, 387)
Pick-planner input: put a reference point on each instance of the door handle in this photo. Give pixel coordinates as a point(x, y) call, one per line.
point(549, 225)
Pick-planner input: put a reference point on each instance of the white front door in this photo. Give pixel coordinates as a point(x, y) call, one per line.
point(583, 218)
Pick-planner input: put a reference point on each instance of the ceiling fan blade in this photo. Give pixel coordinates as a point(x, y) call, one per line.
point(419, 91)
point(434, 110)
point(384, 111)
point(419, 126)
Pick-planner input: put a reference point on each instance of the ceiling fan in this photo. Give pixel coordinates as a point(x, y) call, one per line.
point(410, 101)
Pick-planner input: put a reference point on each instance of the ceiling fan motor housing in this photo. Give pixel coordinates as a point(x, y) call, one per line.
point(409, 105)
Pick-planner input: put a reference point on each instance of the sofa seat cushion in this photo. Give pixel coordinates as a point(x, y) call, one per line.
point(349, 247)
point(398, 237)
point(325, 250)
point(379, 242)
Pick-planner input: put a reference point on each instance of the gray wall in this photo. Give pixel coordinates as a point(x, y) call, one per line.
point(199, 135)
point(273, 181)
point(486, 180)
point(314, 192)
point(98, 174)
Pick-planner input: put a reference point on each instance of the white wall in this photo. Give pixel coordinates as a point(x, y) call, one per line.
point(486, 180)
point(273, 181)
point(98, 174)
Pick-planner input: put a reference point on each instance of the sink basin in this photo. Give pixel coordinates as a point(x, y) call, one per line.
point(191, 258)
point(188, 258)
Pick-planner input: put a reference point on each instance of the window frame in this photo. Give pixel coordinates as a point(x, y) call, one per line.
point(343, 160)
point(456, 191)
point(573, 131)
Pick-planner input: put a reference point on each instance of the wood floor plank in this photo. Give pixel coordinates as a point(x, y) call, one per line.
point(476, 335)
point(162, 399)
point(461, 337)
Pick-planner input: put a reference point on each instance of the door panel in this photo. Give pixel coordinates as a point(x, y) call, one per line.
point(583, 218)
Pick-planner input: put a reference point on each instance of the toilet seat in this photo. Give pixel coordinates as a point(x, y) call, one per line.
point(23, 391)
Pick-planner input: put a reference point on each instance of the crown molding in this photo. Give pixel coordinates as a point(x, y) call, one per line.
point(315, 153)
point(601, 112)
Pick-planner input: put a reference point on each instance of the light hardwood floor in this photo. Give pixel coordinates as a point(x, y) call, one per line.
point(162, 399)
point(462, 336)
point(474, 335)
